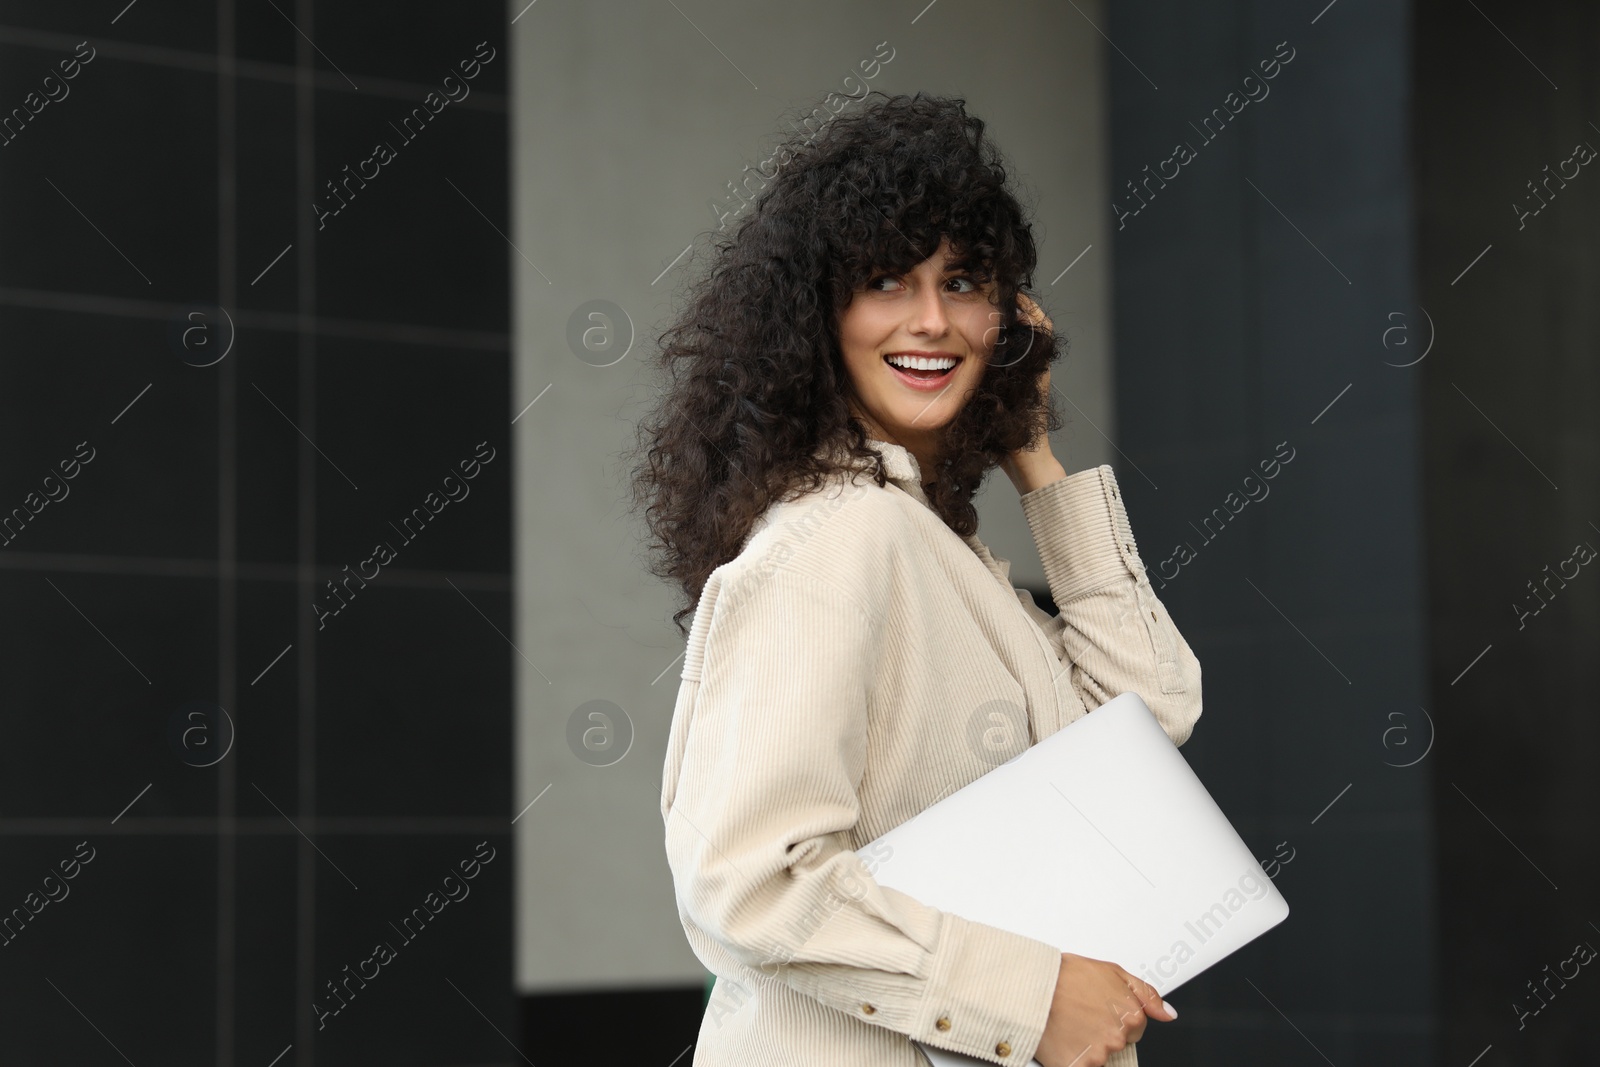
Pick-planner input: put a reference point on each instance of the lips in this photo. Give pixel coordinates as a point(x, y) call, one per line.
point(922, 381)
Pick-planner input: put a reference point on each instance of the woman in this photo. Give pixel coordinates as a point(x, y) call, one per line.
point(860, 356)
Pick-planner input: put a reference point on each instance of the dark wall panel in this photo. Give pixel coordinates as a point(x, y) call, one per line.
point(1512, 455)
point(265, 800)
point(1251, 289)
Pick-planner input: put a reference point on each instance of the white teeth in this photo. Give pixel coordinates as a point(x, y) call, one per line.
point(921, 363)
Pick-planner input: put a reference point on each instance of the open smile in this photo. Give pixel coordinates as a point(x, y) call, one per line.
point(923, 373)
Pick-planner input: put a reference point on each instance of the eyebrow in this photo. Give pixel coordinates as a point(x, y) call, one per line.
point(968, 261)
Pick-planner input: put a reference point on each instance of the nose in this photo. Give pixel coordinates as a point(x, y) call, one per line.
point(928, 315)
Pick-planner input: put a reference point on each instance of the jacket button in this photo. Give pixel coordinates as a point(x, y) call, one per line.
point(1003, 1049)
point(868, 1009)
point(943, 1023)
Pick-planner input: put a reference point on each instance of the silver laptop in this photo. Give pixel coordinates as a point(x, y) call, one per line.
point(1099, 840)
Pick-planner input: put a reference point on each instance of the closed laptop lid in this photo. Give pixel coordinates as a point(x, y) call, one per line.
point(1100, 840)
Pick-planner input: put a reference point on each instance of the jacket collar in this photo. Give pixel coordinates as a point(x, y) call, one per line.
point(898, 463)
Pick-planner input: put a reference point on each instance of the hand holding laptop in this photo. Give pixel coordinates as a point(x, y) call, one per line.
point(1098, 1009)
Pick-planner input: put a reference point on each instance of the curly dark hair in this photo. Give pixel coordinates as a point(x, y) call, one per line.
point(756, 382)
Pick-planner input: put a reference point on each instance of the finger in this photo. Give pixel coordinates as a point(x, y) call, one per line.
point(1031, 311)
point(1034, 313)
point(1131, 1019)
point(1154, 1006)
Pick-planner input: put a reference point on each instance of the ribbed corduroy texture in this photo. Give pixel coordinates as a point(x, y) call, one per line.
point(857, 662)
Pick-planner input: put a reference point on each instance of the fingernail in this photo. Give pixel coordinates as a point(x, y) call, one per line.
point(1170, 1009)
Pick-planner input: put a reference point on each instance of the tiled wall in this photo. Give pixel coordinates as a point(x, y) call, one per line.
point(211, 404)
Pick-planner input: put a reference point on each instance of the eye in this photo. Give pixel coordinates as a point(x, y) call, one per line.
point(971, 282)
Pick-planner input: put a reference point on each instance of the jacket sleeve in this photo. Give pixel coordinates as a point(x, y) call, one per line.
point(756, 835)
point(1112, 633)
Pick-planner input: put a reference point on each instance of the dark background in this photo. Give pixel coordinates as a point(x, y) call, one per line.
point(188, 553)
point(1367, 601)
point(1427, 763)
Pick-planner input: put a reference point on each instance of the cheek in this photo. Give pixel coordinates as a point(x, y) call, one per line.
point(862, 368)
point(972, 372)
point(981, 331)
point(850, 345)
point(861, 334)
point(859, 359)
point(855, 327)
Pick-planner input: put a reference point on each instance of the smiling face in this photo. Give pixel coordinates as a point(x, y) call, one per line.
point(915, 347)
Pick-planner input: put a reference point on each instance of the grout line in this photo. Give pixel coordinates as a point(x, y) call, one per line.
point(283, 321)
point(227, 381)
point(157, 567)
point(305, 664)
point(252, 825)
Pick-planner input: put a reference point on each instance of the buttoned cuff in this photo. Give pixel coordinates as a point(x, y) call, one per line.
point(1082, 530)
point(989, 992)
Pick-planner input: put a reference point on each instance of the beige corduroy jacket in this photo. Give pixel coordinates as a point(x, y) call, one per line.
point(855, 663)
